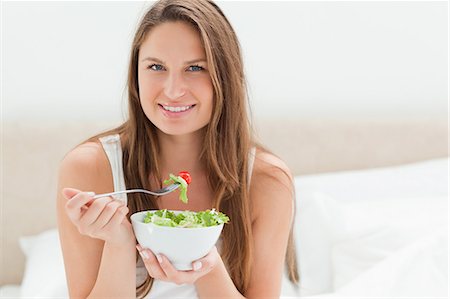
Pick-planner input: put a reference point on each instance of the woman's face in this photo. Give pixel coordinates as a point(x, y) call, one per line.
point(175, 88)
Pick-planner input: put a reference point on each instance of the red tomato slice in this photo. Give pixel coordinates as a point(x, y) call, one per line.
point(186, 176)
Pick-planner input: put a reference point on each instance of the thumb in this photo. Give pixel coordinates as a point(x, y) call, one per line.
point(70, 192)
point(207, 262)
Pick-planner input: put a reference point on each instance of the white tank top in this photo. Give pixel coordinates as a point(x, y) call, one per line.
point(160, 289)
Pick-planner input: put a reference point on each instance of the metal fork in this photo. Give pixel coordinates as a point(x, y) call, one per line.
point(160, 192)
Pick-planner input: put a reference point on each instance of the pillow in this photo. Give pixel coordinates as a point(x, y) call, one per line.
point(318, 226)
point(417, 270)
point(374, 230)
point(415, 180)
point(44, 275)
point(320, 222)
point(10, 291)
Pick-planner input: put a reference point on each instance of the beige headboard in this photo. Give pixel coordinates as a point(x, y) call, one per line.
point(32, 151)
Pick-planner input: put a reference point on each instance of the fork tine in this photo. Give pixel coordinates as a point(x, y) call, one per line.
point(167, 189)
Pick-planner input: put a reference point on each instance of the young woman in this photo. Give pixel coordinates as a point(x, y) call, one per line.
point(187, 111)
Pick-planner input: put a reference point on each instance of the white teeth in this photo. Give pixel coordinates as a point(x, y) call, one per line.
point(176, 109)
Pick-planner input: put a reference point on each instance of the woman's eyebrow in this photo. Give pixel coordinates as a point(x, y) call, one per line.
point(162, 62)
point(152, 59)
point(195, 61)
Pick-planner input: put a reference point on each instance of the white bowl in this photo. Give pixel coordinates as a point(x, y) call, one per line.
point(180, 245)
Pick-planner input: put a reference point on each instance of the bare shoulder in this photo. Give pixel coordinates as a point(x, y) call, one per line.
point(88, 155)
point(271, 189)
point(85, 166)
point(265, 162)
point(270, 169)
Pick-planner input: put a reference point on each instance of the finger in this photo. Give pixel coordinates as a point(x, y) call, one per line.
point(107, 213)
point(68, 193)
point(152, 264)
point(76, 207)
point(76, 199)
point(173, 274)
point(117, 218)
point(207, 262)
point(144, 256)
point(94, 211)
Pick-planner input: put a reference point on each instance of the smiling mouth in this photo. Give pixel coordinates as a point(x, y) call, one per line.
point(177, 109)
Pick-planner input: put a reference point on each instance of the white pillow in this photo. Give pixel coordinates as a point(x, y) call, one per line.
point(422, 179)
point(417, 270)
point(318, 225)
point(320, 197)
point(44, 275)
point(374, 230)
point(10, 291)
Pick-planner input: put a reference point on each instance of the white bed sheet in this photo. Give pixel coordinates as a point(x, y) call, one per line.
point(419, 270)
point(348, 222)
point(10, 291)
point(379, 232)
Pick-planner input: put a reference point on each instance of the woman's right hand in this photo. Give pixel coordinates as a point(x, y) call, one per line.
point(103, 218)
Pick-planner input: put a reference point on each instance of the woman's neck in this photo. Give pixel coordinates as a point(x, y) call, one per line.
point(180, 153)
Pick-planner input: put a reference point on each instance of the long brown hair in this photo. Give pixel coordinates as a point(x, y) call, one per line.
point(227, 139)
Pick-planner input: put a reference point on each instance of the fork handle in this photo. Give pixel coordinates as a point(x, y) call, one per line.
point(124, 191)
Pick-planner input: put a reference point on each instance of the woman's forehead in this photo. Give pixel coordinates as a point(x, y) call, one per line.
point(173, 41)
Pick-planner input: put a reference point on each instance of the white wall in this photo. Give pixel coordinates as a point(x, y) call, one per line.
point(381, 60)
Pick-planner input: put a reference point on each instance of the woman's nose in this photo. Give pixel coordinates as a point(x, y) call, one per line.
point(175, 86)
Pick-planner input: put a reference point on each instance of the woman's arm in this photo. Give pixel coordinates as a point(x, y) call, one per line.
point(271, 196)
point(96, 238)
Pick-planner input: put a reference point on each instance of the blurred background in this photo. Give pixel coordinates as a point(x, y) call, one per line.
point(353, 95)
point(303, 59)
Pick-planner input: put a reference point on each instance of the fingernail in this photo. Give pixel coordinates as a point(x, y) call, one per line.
point(90, 193)
point(159, 258)
point(144, 254)
point(197, 265)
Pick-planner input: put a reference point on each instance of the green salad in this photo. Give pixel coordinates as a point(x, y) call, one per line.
point(181, 179)
point(186, 219)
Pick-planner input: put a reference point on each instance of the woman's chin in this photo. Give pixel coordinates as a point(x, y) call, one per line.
point(180, 130)
point(174, 131)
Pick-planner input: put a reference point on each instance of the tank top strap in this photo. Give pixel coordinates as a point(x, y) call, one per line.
point(251, 162)
point(113, 149)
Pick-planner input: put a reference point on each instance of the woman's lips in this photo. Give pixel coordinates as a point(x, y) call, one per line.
point(174, 114)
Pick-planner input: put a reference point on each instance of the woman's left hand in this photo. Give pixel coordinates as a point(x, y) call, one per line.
point(160, 268)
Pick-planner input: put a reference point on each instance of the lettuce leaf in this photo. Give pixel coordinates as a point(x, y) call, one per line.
point(187, 219)
point(183, 186)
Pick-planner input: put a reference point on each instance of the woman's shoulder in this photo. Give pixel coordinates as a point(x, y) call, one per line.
point(271, 189)
point(87, 158)
point(86, 167)
point(269, 165)
point(85, 154)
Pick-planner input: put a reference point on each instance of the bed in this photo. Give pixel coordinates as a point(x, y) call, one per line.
point(371, 203)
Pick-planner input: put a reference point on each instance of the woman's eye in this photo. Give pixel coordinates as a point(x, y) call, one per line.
point(195, 68)
point(156, 67)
